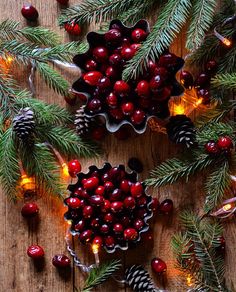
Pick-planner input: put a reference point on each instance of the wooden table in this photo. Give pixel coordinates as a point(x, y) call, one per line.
point(18, 272)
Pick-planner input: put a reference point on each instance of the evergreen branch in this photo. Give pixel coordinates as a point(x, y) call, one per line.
point(173, 169)
point(170, 21)
point(225, 81)
point(89, 11)
point(9, 166)
point(216, 185)
point(52, 78)
point(228, 63)
point(203, 12)
point(100, 274)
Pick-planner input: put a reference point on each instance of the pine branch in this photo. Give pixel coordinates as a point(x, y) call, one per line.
point(9, 166)
point(228, 63)
point(216, 185)
point(100, 274)
point(98, 10)
point(52, 78)
point(173, 169)
point(169, 23)
point(203, 12)
point(225, 81)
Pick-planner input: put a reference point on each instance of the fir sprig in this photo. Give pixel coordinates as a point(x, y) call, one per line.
point(100, 274)
point(225, 81)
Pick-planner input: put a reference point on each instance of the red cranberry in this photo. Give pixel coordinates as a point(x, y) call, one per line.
point(156, 82)
point(111, 73)
point(125, 42)
point(205, 94)
point(92, 77)
point(73, 203)
point(91, 183)
point(116, 174)
point(35, 251)
point(125, 186)
point(118, 228)
point(127, 108)
point(138, 35)
point(203, 80)
point(225, 142)
point(109, 218)
point(29, 210)
point(97, 200)
point(86, 236)
point(61, 261)
point(105, 177)
point(163, 93)
point(29, 12)
point(141, 201)
point(138, 117)
point(107, 206)
point(115, 60)
point(117, 114)
point(158, 265)
point(113, 36)
point(186, 79)
point(73, 28)
point(104, 229)
point(95, 223)
point(136, 190)
point(100, 54)
point(116, 206)
point(74, 167)
point(121, 87)
point(122, 134)
point(98, 133)
point(127, 53)
point(211, 66)
point(143, 88)
point(125, 221)
point(63, 2)
point(138, 224)
point(80, 225)
point(115, 195)
point(94, 105)
point(152, 67)
point(109, 241)
point(135, 47)
point(100, 190)
point(155, 204)
point(141, 213)
point(166, 206)
point(112, 100)
point(129, 202)
point(211, 147)
point(130, 234)
point(98, 241)
point(104, 83)
point(147, 236)
point(87, 212)
point(108, 185)
point(167, 60)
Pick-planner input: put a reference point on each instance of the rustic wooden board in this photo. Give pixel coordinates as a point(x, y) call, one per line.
point(17, 271)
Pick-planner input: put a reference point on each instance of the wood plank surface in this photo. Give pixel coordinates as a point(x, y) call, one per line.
point(18, 273)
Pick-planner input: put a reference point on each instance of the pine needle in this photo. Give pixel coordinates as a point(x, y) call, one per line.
point(100, 274)
point(225, 81)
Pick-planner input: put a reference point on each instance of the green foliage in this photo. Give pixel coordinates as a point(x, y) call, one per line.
point(100, 274)
point(170, 20)
point(225, 81)
point(195, 251)
point(228, 63)
point(201, 20)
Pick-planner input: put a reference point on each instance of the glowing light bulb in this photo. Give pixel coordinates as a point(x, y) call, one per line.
point(9, 59)
point(226, 42)
point(198, 102)
point(65, 169)
point(95, 248)
point(189, 281)
point(179, 109)
point(227, 207)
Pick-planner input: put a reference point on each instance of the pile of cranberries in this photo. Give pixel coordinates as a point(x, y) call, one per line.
point(108, 207)
point(119, 101)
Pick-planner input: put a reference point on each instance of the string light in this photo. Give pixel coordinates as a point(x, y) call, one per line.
point(189, 280)
point(95, 249)
point(65, 169)
point(227, 207)
point(223, 39)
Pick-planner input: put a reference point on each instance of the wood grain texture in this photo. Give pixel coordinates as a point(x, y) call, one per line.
point(18, 273)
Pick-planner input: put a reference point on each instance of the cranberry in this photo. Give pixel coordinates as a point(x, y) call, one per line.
point(35, 251)
point(95, 223)
point(113, 36)
point(100, 190)
point(92, 77)
point(125, 221)
point(167, 60)
point(166, 206)
point(205, 94)
point(112, 100)
point(127, 53)
point(98, 241)
point(211, 66)
point(138, 117)
point(91, 183)
point(80, 225)
point(115, 60)
point(100, 54)
point(152, 67)
point(116, 174)
point(141, 213)
point(138, 35)
point(138, 224)
point(118, 228)
point(29, 12)
point(107, 206)
point(130, 234)
point(94, 105)
point(125, 42)
point(156, 82)
point(121, 87)
point(61, 261)
point(202, 81)
point(129, 202)
point(29, 210)
point(87, 212)
point(125, 186)
point(136, 190)
point(108, 185)
point(104, 83)
point(105, 177)
point(158, 265)
point(225, 142)
point(116, 206)
point(86, 236)
point(135, 47)
point(143, 88)
point(109, 241)
point(73, 28)
point(117, 114)
point(109, 218)
point(186, 79)
point(104, 229)
point(74, 167)
point(111, 73)
point(97, 200)
point(163, 93)
point(98, 133)
point(211, 147)
point(141, 201)
point(73, 203)
point(127, 108)
point(115, 195)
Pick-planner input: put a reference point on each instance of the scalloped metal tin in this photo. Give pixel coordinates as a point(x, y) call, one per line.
point(130, 175)
point(81, 88)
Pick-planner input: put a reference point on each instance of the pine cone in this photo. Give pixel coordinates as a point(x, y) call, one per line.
point(23, 123)
point(181, 130)
point(139, 280)
point(82, 122)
